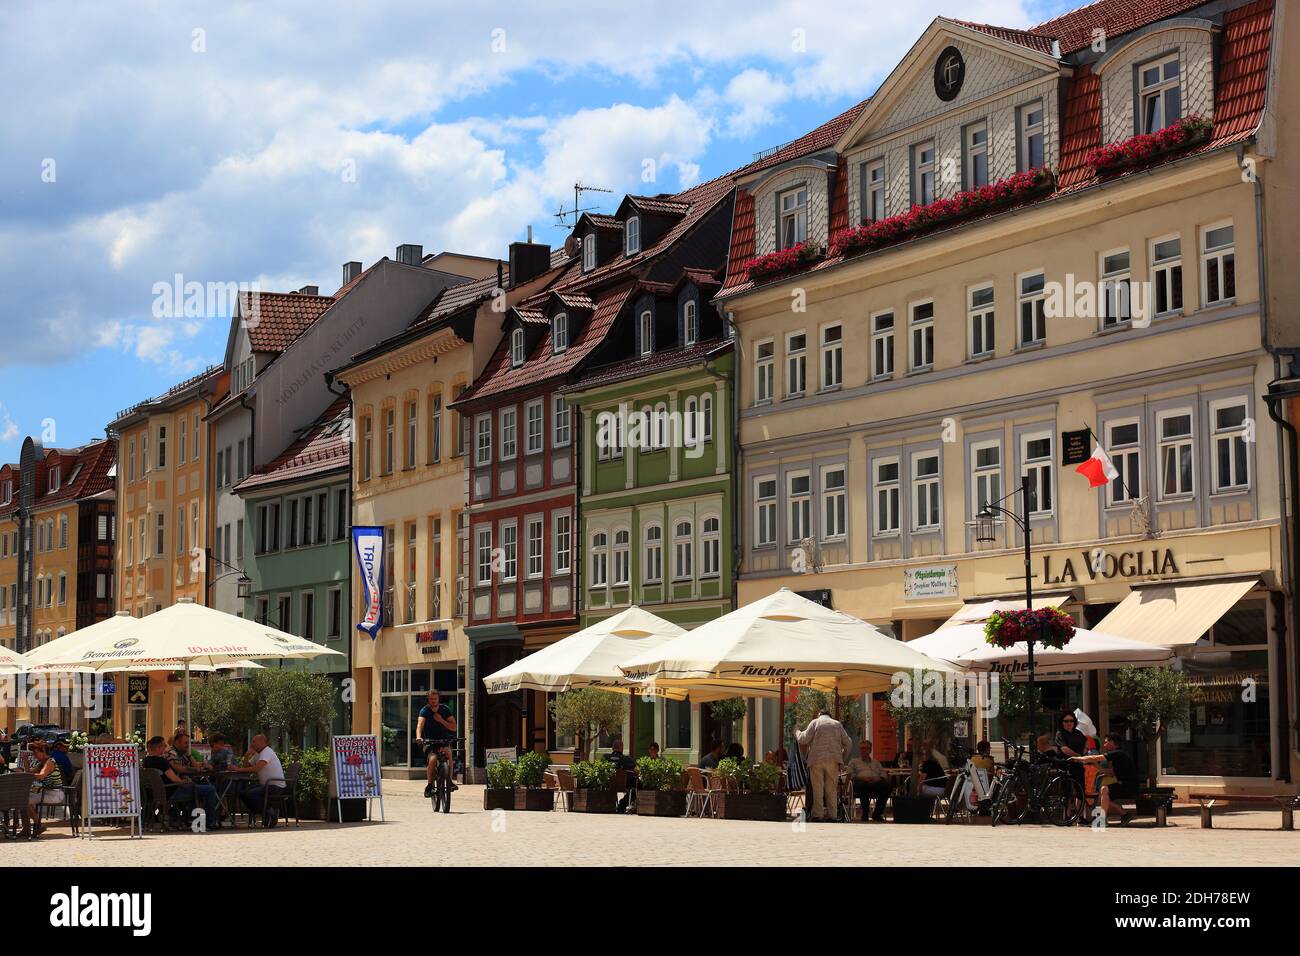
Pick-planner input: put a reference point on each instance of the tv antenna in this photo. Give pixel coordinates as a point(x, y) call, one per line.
point(562, 214)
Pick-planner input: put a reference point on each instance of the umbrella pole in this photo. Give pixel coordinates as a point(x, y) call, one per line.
point(780, 725)
point(630, 750)
point(188, 728)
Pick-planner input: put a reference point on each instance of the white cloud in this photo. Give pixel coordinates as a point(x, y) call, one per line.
point(8, 427)
point(753, 96)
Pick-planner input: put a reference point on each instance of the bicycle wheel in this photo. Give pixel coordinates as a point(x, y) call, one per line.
point(443, 775)
point(958, 797)
point(1061, 801)
point(1012, 805)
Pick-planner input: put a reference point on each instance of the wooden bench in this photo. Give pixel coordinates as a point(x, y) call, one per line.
point(1287, 803)
point(1148, 802)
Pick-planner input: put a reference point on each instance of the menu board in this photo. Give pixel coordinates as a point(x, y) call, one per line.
point(884, 745)
point(111, 773)
point(355, 766)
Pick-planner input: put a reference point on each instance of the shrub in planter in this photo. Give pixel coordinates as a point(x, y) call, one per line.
point(593, 778)
point(313, 784)
point(912, 809)
point(500, 791)
point(530, 775)
point(659, 792)
point(751, 792)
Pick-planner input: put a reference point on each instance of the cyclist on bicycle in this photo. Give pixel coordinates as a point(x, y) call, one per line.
point(434, 732)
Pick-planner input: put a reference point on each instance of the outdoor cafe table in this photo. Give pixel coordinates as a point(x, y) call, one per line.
point(224, 780)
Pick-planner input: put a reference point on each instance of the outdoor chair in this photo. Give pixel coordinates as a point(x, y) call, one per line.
point(716, 786)
point(157, 800)
point(15, 788)
point(71, 805)
point(697, 793)
point(284, 793)
point(561, 778)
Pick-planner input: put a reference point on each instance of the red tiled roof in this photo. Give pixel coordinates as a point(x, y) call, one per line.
point(276, 319)
point(658, 362)
point(601, 221)
point(659, 204)
point(1239, 100)
point(90, 464)
point(576, 300)
point(532, 316)
point(499, 377)
point(1112, 17)
point(1032, 41)
point(324, 447)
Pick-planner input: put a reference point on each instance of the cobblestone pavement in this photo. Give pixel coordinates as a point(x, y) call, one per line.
point(412, 835)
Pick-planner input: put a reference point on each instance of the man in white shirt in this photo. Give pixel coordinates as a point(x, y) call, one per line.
point(263, 761)
point(826, 745)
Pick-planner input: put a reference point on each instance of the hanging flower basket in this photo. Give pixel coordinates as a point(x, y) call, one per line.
point(1148, 147)
point(1048, 626)
point(942, 212)
point(785, 260)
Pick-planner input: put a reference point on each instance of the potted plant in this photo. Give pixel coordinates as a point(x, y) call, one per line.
point(1146, 148)
point(594, 793)
point(586, 714)
point(77, 749)
point(313, 781)
point(907, 705)
point(1152, 699)
point(659, 787)
point(530, 776)
point(500, 791)
point(1048, 626)
point(750, 791)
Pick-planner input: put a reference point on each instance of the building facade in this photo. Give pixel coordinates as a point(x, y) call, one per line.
point(932, 363)
point(57, 528)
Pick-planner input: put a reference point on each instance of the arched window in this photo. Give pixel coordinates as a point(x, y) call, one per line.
point(654, 553)
point(516, 348)
point(622, 557)
point(599, 559)
point(711, 547)
point(560, 333)
point(690, 323)
point(683, 559)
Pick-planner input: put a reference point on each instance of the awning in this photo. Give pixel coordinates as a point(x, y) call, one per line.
point(980, 609)
point(1175, 615)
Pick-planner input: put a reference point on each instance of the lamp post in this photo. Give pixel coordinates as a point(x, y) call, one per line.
point(985, 521)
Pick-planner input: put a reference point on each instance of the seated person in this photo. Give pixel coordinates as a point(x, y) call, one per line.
point(59, 754)
point(177, 786)
point(1120, 764)
point(264, 762)
point(622, 761)
point(181, 756)
point(1046, 749)
point(982, 759)
point(869, 780)
point(736, 752)
point(710, 760)
point(223, 755)
point(934, 780)
point(47, 788)
point(653, 752)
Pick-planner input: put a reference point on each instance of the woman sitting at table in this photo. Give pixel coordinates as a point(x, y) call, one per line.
point(47, 788)
point(177, 786)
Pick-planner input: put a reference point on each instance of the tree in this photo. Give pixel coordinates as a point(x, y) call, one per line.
point(810, 701)
point(1152, 699)
point(292, 700)
point(726, 712)
point(221, 704)
point(927, 721)
point(586, 714)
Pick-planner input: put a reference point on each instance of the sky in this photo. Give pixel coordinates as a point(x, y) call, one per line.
point(145, 145)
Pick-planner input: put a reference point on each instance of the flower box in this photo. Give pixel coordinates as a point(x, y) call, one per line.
point(1048, 626)
point(533, 798)
point(594, 801)
point(785, 260)
point(943, 212)
point(750, 806)
point(661, 803)
point(1146, 148)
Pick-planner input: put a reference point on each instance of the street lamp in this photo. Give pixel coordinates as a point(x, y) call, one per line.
point(985, 531)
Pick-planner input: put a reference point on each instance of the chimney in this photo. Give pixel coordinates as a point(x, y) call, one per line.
point(528, 260)
point(309, 290)
point(500, 277)
point(410, 254)
point(350, 271)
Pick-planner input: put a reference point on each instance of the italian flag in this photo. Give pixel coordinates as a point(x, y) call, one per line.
point(1098, 469)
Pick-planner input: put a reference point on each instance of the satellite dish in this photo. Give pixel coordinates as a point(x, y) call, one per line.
point(571, 246)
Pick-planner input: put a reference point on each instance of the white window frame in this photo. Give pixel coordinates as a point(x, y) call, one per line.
point(925, 179)
point(1115, 287)
point(1041, 471)
point(886, 522)
point(690, 323)
point(764, 371)
point(873, 191)
point(1234, 434)
point(1166, 274)
point(796, 364)
point(1037, 300)
point(832, 356)
point(599, 560)
point(683, 549)
point(975, 149)
point(710, 546)
point(920, 337)
point(653, 572)
point(589, 252)
point(483, 555)
point(560, 333)
point(985, 474)
point(765, 512)
point(621, 558)
point(508, 429)
point(1031, 131)
point(882, 345)
point(1214, 258)
point(632, 235)
point(1176, 443)
point(483, 439)
point(562, 542)
point(795, 214)
point(534, 437)
point(517, 347)
point(835, 516)
point(509, 531)
point(1127, 459)
point(646, 326)
point(798, 511)
point(1156, 93)
point(929, 488)
point(981, 321)
point(534, 547)
point(561, 423)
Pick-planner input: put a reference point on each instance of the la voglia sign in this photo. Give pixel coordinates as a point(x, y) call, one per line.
point(1099, 564)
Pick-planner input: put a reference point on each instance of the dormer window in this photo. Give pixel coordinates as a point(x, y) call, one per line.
point(1032, 154)
point(690, 323)
point(560, 333)
point(647, 324)
point(54, 479)
point(793, 206)
point(589, 252)
point(632, 236)
point(1160, 95)
point(516, 348)
point(6, 492)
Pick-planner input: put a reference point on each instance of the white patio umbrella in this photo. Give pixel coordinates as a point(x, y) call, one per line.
point(11, 662)
point(180, 636)
point(965, 646)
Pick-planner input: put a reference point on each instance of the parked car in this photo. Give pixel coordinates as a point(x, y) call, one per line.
point(25, 734)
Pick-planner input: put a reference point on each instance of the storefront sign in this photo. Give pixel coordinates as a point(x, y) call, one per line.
point(494, 755)
point(355, 769)
point(369, 545)
point(1076, 447)
point(112, 783)
point(430, 642)
point(1099, 564)
point(137, 688)
point(935, 582)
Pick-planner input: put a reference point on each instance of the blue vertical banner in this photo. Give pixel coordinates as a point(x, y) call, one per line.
point(369, 545)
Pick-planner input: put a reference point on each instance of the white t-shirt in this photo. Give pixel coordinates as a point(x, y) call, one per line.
point(271, 771)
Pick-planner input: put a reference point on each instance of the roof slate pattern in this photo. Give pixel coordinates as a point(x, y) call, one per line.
point(324, 447)
point(276, 319)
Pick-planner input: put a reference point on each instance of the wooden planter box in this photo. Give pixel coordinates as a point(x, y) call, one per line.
point(499, 799)
point(661, 803)
point(594, 801)
point(528, 798)
point(750, 806)
point(913, 809)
